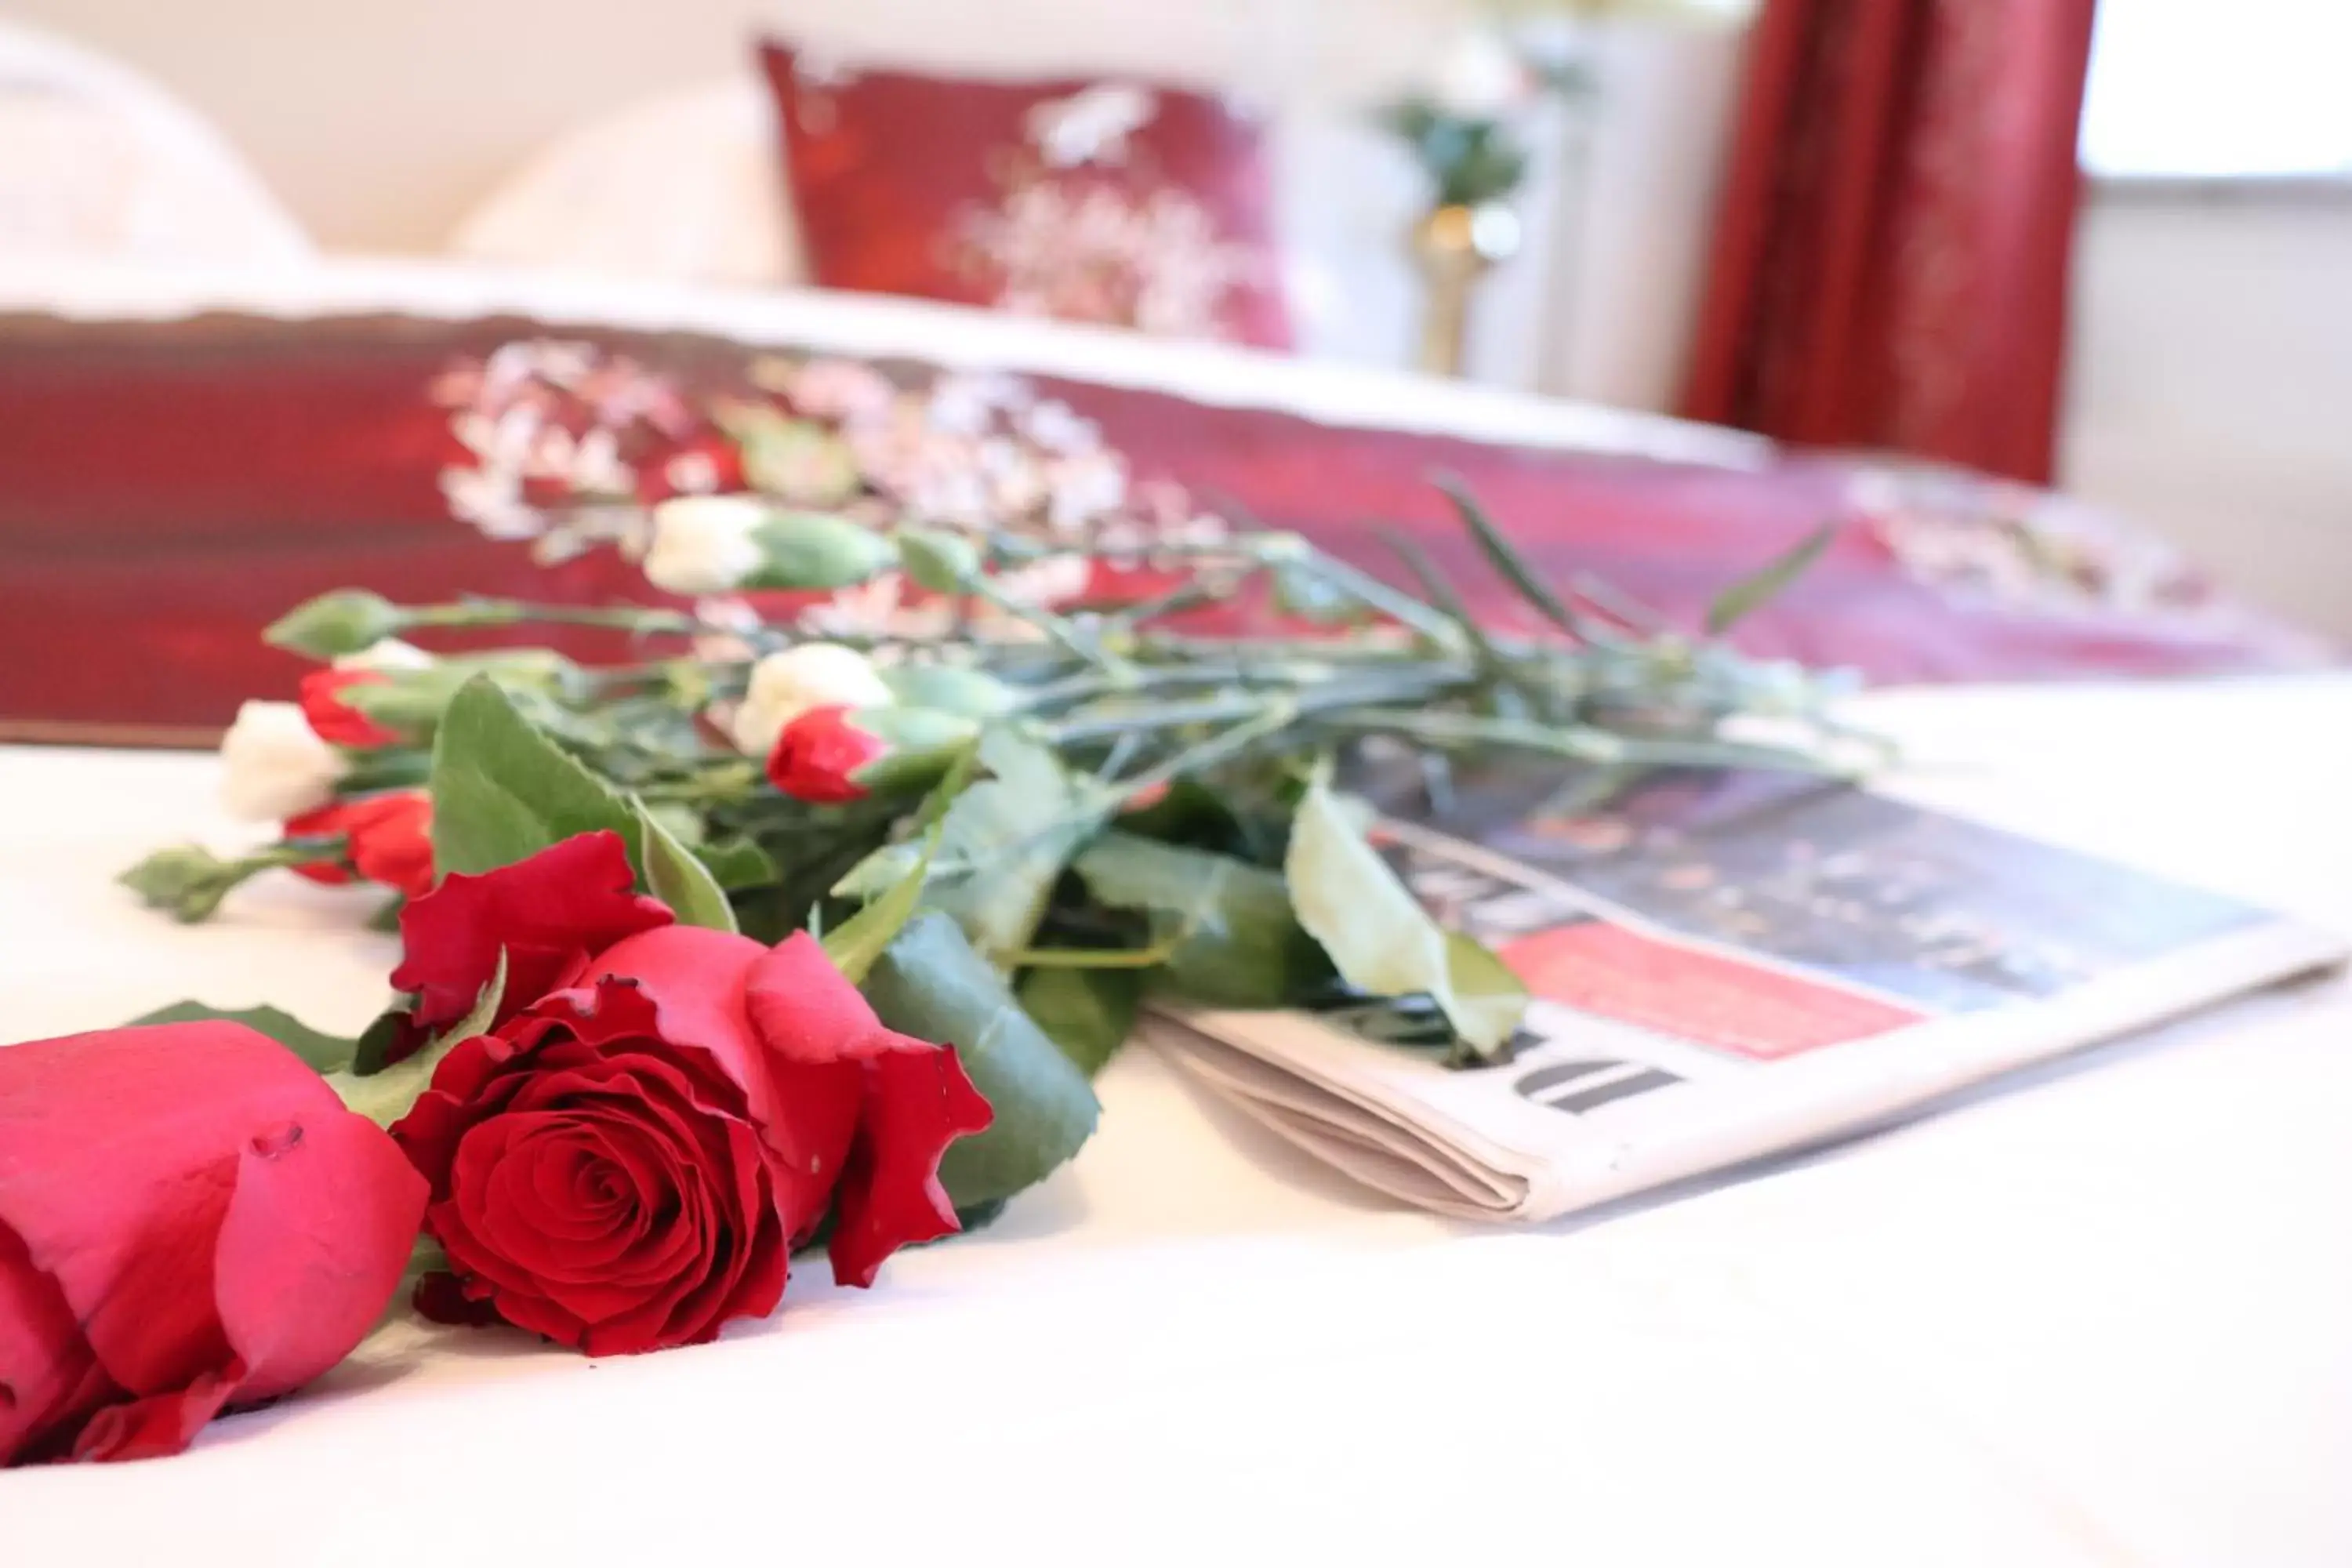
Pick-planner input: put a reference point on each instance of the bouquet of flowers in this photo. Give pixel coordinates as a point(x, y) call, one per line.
point(796, 928)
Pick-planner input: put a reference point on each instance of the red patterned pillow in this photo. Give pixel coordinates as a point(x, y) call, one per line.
point(1112, 203)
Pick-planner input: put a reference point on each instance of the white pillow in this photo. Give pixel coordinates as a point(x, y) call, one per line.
point(98, 162)
point(684, 186)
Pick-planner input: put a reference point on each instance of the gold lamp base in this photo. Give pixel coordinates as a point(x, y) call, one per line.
point(1455, 247)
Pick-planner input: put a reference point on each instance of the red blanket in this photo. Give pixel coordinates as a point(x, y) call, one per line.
point(168, 489)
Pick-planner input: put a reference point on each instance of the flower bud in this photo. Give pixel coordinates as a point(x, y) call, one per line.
point(713, 544)
point(788, 684)
point(829, 755)
point(949, 689)
point(389, 656)
point(385, 838)
point(343, 622)
point(818, 551)
point(704, 544)
point(327, 701)
point(940, 562)
point(275, 765)
point(818, 755)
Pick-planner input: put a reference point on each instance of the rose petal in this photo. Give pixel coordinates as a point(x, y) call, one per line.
point(918, 1102)
point(159, 1425)
point(318, 1234)
point(118, 1157)
point(547, 913)
point(914, 1100)
point(47, 1375)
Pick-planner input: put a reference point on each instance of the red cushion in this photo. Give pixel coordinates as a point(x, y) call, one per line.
point(1118, 204)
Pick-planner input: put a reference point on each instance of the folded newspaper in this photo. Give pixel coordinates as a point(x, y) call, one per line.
point(1721, 967)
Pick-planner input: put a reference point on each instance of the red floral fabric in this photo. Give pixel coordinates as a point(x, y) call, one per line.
point(1111, 203)
point(168, 489)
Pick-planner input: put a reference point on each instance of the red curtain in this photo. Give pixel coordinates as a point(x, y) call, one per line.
point(1890, 257)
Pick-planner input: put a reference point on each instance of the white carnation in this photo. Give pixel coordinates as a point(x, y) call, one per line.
point(788, 684)
point(274, 764)
point(705, 544)
point(388, 655)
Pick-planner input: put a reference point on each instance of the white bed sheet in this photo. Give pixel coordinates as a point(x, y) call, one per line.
point(2104, 1316)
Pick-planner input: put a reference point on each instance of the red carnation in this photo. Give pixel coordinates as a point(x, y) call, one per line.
point(819, 754)
point(336, 721)
point(387, 838)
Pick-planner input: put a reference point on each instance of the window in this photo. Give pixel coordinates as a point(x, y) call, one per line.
point(2196, 89)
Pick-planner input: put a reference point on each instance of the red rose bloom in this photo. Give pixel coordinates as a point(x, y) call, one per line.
point(189, 1220)
point(550, 914)
point(625, 1165)
point(817, 757)
point(336, 721)
point(387, 838)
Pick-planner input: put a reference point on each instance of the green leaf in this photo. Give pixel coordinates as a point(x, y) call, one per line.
point(1440, 592)
point(1237, 942)
point(386, 1095)
point(933, 985)
point(1374, 930)
point(1753, 592)
point(484, 1012)
point(1506, 559)
point(1006, 839)
point(1087, 1013)
point(738, 863)
point(503, 791)
point(1484, 986)
point(677, 879)
point(323, 1052)
point(375, 1041)
point(858, 943)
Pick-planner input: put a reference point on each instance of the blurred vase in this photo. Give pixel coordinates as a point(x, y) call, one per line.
point(1455, 247)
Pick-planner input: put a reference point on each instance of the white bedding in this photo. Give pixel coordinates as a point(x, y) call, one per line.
point(2100, 1319)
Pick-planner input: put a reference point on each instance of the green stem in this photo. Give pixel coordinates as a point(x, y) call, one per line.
point(1279, 713)
point(1581, 742)
point(1393, 602)
point(476, 613)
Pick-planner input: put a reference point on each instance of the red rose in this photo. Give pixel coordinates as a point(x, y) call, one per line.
point(550, 914)
point(189, 1220)
point(336, 721)
point(817, 757)
point(626, 1167)
point(387, 838)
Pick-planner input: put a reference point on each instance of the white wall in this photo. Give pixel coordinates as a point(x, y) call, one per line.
point(380, 122)
point(2210, 387)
